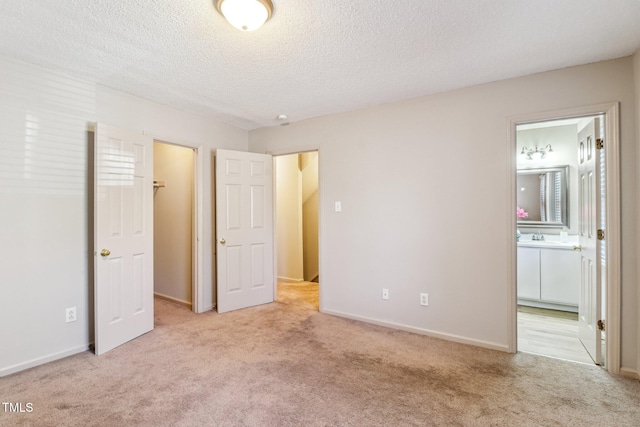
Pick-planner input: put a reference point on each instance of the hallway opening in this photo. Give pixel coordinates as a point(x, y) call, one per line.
point(297, 204)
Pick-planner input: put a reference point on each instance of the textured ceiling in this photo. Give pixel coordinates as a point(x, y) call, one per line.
point(313, 57)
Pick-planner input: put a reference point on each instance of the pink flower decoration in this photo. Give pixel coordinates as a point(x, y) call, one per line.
point(521, 213)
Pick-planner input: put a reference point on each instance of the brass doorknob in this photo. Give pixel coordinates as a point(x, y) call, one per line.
point(222, 241)
point(105, 252)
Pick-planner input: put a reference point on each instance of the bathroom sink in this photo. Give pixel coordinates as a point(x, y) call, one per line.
point(546, 243)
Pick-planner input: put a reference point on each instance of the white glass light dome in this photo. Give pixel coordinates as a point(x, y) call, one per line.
point(245, 15)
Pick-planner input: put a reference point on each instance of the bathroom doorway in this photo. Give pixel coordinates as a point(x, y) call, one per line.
point(548, 242)
point(558, 309)
point(297, 210)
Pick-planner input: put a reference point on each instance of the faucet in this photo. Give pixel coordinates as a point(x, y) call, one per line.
point(537, 236)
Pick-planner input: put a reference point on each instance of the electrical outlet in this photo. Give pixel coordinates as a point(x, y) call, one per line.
point(385, 293)
point(424, 299)
point(71, 314)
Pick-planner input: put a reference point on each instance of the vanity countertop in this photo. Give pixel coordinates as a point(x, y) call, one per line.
point(552, 242)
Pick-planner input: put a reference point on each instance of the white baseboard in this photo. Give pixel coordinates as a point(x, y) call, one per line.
point(434, 334)
point(630, 373)
point(42, 360)
point(172, 299)
point(289, 279)
point(313, 276)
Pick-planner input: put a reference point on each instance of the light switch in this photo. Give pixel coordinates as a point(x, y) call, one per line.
point(338, 206)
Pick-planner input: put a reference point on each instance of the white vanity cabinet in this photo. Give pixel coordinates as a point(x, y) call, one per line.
point(549, 277)
point(529, 273)
point(560, 276)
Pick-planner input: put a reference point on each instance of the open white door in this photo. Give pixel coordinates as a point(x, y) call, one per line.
point(244, 227)
point(588, 208)
point(123, 214)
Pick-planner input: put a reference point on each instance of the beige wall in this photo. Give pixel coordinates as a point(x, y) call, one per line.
point(402, 173)
point(289, 218)
point(173, 222)
point(310, 200)
point(309, 167)
point(636, 72)
point(310, 236)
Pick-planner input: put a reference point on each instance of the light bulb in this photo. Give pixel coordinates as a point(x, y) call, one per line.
point(245, 15)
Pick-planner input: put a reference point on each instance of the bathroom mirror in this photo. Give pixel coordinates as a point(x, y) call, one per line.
point(542, 196)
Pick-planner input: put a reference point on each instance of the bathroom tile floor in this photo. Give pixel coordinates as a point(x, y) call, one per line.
point(550, 333)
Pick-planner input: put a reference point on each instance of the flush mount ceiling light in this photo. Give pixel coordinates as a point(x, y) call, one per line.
point(245, 15)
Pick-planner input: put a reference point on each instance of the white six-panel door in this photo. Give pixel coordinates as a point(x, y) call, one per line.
point(588, 208)
point(244, 227)
point(123, 236)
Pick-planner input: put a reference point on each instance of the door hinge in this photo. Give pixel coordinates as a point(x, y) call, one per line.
point(600, 234)
point(599, 143)
point(601, 325)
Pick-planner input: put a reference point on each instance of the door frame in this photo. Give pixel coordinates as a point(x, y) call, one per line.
point(197, 289)
point(612, 220)
point(285, 152)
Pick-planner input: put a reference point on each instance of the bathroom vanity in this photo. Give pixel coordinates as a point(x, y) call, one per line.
point(549, 273)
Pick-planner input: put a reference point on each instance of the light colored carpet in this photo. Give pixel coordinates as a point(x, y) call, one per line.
point(302, 293)
point(287, 364)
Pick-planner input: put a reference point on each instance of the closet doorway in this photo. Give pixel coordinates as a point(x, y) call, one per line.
point(174, 223)
point(296, 205)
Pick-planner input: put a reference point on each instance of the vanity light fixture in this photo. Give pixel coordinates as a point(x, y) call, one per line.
point(542, 152)
point(245, 15)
